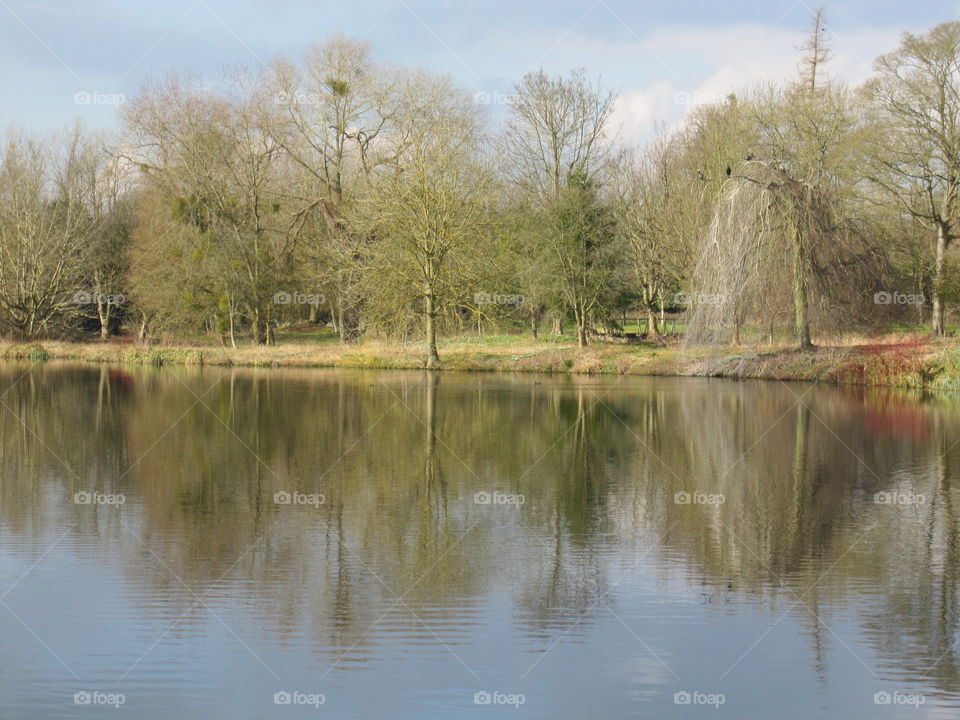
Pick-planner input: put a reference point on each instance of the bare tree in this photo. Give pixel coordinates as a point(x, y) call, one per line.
point(555, 149)
point(107, 179)
point(817, 51)
point(917, 93)
point(428, 209)
point(220, 170)
point(331, 114)
point(558, 127)
point(654, 221)
point(783, 219)
point(810, 136)
point(46, 223)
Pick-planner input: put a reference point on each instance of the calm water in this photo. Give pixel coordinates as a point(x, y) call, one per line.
point(394, 545)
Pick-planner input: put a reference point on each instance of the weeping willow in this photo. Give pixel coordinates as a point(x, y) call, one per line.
point(778, 258)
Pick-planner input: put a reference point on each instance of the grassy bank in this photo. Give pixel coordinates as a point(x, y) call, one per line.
point(897, 360)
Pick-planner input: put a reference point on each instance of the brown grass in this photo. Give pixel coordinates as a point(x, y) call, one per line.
point(906, 360)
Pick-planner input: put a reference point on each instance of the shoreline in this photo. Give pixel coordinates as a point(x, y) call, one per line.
point(905, 361)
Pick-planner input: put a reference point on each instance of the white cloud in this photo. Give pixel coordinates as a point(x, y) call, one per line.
point(710, 63)
point(636, 114)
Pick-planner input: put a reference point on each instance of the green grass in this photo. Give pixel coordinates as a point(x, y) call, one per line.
point(671, 326)
point(292, 335)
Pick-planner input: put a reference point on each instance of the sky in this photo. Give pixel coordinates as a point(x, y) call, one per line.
point(63, 59)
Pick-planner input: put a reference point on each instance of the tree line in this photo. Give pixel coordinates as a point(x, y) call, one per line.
point(387, 202)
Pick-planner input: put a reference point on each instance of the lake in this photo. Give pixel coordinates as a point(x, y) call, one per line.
point(215, 543)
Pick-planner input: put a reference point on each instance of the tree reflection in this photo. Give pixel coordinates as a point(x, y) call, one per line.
point(399, 543)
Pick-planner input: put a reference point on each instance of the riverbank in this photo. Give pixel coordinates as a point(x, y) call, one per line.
point(899, 360)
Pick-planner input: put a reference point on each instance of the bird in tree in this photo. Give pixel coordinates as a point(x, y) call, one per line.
point(729, 171)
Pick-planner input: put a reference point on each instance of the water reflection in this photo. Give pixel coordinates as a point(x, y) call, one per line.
point(564, 537)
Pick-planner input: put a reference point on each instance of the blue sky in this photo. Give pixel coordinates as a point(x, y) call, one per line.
point(660, 56)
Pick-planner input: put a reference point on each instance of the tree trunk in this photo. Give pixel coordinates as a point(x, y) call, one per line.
point(334, 318)
point(937, 322)
point(142, 332)
point(802, 321)
point(653, 332)
point(534, 326)
point(233, 332)
point(348, 325)
point(581, 320)
point(558, 326)
point(919, 304)
point(269, 326)
point(433, 358)
point(735, 341)
point(103, 314)
point(352, 328)
point(259, 332)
